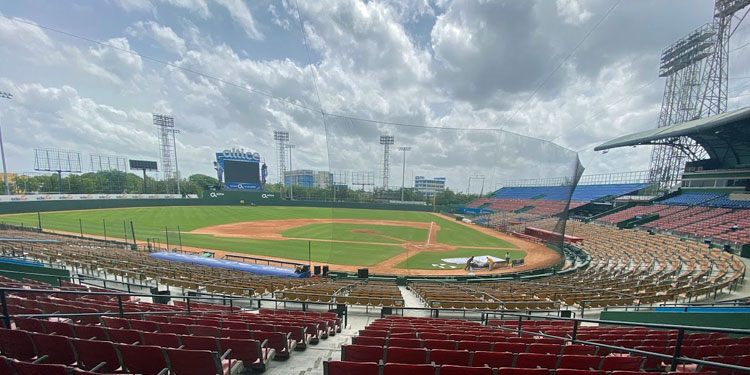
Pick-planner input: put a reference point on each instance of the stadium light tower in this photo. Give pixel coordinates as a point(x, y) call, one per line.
point(403, 169)
point(281, 137)
point(4, 95)
point(386, 141)
point(291, 171)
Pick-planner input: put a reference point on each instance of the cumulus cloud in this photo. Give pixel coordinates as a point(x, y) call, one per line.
point(449, 64)
point(164, 35)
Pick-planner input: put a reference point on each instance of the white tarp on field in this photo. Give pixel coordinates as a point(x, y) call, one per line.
point(479, 259)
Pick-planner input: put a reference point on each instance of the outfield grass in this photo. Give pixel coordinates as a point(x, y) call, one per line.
point(433, 260)
point(158, 222)
point(345, 232)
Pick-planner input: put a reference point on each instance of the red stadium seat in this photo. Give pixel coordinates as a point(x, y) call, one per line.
point(237, 334)
point(351, 368)
point(17, 344)
point(96, 356)
point(362, 353)
point(564, 371)
point(512, 347)
point(533, 360)
point(580, 362)
point(463, 370)
point(124, 336)
point(250, 352)
point(522, 371)
point(91, 332)
point(545, 348)
point(200, 343)
point(25, 368)
point(179, 329)
point(439, 344)
point(376, 341)
point(405, 343)
point(433, 336)
point(30, 324)
point(623, 363)
point(492, 359)
point(165, 340)
point(111, 322)
point(202, 362)
point(576, 349)
point(402, 368)
point(144, 326)
point(276, 340)
point(475, 345)
point(450, 357)
point(6, 366)
point(58, 328)
point(57, 348)
point(143, 359)
point(406, 355)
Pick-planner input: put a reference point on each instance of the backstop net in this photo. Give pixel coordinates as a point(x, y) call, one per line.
point(445, 198)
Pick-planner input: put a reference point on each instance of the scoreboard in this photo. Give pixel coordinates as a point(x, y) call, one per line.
point(240, 170)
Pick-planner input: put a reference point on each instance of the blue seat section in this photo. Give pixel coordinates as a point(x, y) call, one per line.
point(693, 198)
point(724, 201)
point(583, 193)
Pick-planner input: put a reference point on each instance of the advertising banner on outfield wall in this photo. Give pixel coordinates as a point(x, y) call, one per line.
point(75, 197)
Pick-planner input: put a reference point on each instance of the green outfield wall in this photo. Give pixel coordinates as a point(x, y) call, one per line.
point(224, 198)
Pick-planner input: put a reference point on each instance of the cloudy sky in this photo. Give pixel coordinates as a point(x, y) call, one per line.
point(86, 76)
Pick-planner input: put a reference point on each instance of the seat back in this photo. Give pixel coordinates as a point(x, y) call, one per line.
point(577, 349)
point(405, 343)
point(111, 322)
point(237, 334)
point(25, 368)
point(463, 370)
point(623, 363)
point(411, 369)
point(30, 324)
point(492, 359)
point(142, 359)
point(512, 347)
point(93, 352)
point(475, 345)
point(202, 362)
point(176, 328)
point(545, 348)
point(361, 353)
point(201, 330)
point(580, 362)
point(440, 344)
point(90, 332)
point(361, 340)
point(144, 325)
point(350, 368)
point(563, 371)
point(533, 360)
point(58, 328)
point(57, 348)
point(200, 343)
point(17, 344)
point(124, 336)
point(450, 357)
point(406, 355)
point(166, 340)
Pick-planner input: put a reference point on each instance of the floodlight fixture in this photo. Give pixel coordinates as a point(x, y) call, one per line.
point(279, 135)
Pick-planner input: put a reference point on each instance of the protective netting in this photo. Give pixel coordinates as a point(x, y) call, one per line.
point(446, 197)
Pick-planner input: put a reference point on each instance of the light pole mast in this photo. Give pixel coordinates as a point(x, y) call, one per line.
point(291, 172)
point(403, 170)
point(4, 95)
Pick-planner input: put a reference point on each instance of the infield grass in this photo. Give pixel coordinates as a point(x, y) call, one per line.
point(347, 232)
point(160, 222)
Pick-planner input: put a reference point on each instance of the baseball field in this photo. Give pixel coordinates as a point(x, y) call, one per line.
point(387, 241)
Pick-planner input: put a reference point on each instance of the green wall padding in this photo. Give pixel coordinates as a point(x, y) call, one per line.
point(695, 319)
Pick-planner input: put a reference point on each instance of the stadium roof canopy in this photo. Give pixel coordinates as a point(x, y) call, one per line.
point(725, 137)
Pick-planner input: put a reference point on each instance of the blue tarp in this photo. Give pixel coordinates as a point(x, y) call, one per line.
point(258, 269)
point(20, 262)
point(27, 240)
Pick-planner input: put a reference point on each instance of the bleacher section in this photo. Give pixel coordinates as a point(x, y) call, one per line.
point(400, 345)
point(582, 193)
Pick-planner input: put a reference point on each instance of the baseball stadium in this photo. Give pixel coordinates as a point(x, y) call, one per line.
point(398, 249)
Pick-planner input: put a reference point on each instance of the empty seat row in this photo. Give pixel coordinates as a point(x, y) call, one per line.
point(365, 353)
point(372, 368)
point(497, 346)
point(107, 356)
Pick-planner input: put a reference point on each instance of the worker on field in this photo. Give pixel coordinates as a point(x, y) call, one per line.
point(469, 263)
point(507, 257)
